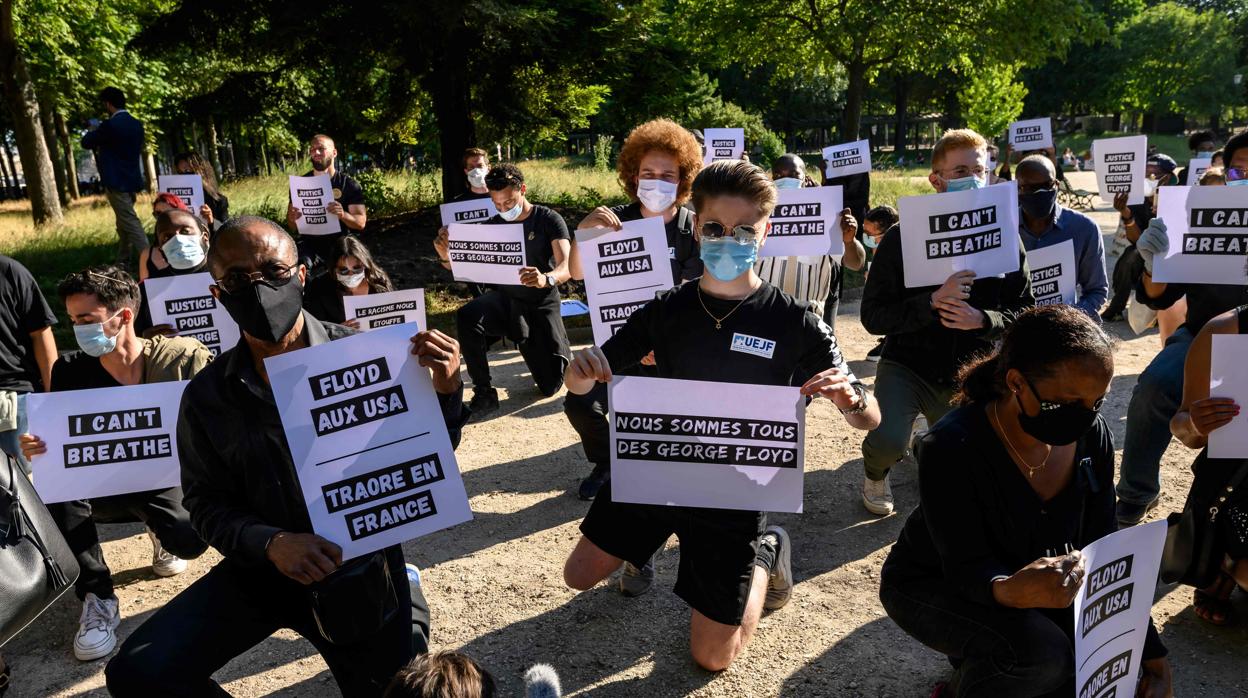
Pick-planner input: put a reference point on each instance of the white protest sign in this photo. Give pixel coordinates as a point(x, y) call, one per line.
point(376, 310)
point(486, 254)
point(723, 144)
point(1112, 610)
point(711, 445)
point(184, 303)
point(976, 229)
point(805, 222)
point(1120, 164)
point(369, 444)
point(623, 270)
point(1207, 229)
point(189, 188)
point(1195, 168)
point(1032, 134)
point(311, 195)
point(468, 211)
point(1053, 273)
point(1228, 377)
point(131, 445)
point(847, 159)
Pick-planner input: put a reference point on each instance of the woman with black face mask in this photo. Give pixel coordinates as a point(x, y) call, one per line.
point(1013, 483)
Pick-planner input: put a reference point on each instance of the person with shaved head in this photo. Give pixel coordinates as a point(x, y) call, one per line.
point(244, 500)
point(348, 204)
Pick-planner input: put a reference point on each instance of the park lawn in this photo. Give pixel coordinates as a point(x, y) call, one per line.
point(1174, 146)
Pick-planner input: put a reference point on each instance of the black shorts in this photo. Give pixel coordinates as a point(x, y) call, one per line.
point(718, 548)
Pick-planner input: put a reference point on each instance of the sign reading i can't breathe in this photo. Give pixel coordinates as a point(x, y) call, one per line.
point(1053, 273)
point(375, 310)
point(1120, 164)
point(312, 196)
point(128, 446)
point(368, 440)
point(847, 159)
point(703, 444)
point(805, 222)
point(623, 270)
point(975, 229)
point(189, 188)
point(1207, 231)
point(723, 144)
point(1032, 134)
point(487, 254)
point(468, 211)
point(185, 304)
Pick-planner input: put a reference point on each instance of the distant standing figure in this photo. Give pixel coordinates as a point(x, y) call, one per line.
point(118, 145)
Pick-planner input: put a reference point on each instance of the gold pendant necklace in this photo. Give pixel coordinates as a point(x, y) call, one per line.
point(719, 320)
point(1031, 471)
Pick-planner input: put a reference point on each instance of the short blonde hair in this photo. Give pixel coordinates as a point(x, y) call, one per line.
point(956, 139)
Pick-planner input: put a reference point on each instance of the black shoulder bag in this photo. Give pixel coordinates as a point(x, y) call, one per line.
point(1191, 556)
point(356, 600)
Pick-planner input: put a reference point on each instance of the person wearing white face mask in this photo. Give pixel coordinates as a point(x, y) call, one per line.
point(182, 240)
point(354, 272)
point(476, 163)
point(102, 303)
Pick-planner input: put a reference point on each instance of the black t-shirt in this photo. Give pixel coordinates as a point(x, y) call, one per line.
point(77, 370)
point(22, 310)
point(347, 192)
point(541, 229)
point(682, 249)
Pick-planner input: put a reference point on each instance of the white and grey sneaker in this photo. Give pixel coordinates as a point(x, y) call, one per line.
point(780, 582)
point(877, 496)
point(97, 628)
point(164, 563)
point(634, 581)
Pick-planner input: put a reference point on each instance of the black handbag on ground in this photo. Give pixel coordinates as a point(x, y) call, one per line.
point(355, 601)
point(36, 565)
point(1191, 555)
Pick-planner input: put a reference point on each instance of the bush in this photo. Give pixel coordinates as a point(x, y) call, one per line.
point(602, 152)
point(770, 146)
point(391, 193)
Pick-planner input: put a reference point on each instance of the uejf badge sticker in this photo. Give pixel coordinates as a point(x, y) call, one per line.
point(747, 344)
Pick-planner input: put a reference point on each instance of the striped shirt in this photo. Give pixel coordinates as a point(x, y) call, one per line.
point(796, 277)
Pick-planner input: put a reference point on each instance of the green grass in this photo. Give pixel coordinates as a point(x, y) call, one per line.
point(1174, 146)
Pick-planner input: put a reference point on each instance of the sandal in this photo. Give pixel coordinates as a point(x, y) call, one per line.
point(1213, 604)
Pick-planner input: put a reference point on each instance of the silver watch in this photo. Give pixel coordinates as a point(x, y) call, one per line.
point(861, 391)
point(550, 280)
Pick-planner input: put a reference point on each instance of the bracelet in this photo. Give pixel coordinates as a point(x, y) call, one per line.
point(272, 538)
point(863, 402)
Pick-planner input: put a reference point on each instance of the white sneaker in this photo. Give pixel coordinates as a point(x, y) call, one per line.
point(97, 627)
point(877, 496)
point(164, 563)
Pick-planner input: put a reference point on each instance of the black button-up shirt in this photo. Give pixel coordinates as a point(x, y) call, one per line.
point(238, 478)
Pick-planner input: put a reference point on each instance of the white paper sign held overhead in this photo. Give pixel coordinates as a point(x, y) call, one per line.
point(1032, 134)
point(847, 159)
point(189, 188)
point(723, 144)
point(1120, 166)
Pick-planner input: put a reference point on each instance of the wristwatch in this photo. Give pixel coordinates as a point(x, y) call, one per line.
point(550, 280)
point(861, 407)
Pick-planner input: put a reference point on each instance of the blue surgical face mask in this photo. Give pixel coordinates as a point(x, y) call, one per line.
point(788, 183)
point(1237, 183)
point(964, 183)
point(870, 242)
point(726, 259)
point(92, 339)
point(512, 213)
point(183, 251)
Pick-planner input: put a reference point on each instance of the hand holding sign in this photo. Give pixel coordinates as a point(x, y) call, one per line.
point(439, 353)
point(589, 366)
point(1048, 582)
point(601, 217)
point(833, 385)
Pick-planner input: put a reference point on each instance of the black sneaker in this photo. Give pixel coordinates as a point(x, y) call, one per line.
point(484, 402)
point(1130, 514)
point(874, 355)
point(594, 482)
point(780, 581)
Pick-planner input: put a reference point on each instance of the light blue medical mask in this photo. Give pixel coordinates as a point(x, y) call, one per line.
point(1237, 183)
point(93, 341)
point(870, 242)
point(183, 251)
point(726, 259)
point(965, 183)
point(512, 213)
point(788, 183)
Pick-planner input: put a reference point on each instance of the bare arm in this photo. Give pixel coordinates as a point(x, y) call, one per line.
point(45, 354)
point(1199, 414)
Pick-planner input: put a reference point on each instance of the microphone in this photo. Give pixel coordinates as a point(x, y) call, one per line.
point(541, 681)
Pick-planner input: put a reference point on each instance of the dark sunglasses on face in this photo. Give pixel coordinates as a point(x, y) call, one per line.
point(714, 230)
point(1235, 173)
point(1046, 405)
point(273, 276)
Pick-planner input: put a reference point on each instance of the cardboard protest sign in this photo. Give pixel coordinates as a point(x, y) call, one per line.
point(1207, 229)
point(623, 270)
point(376, 310)
point(1112, 610)
point(1032, 134)
point(369, 444)
point(847, 159)
point(723, 144)
point(703, 444)
point(487, 254)
point(975, 229)
point(469, 211)
point(1053, 273)
point(184, 303)
point(106, 441)
point(1195, 168)
point(1228, 377)
point(189, 188)
point(311, 195)
point(1120, 164)
point(805, 222)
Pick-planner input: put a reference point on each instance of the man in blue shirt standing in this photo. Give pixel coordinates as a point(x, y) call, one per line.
point(1044, 222)
point(118, 146)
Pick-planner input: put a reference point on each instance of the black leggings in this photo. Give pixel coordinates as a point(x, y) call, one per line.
point(491, 316)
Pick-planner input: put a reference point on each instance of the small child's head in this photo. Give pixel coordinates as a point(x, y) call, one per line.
point(441, 675)
point(957, 156)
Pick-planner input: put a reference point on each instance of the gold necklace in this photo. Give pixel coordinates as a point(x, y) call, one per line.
point(719, 320)
point(1031, 472)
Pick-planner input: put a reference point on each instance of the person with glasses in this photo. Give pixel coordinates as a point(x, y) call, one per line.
point(1044, 222)
point(216, 207)
point(1013, 484)
point(732, 565)
point(354, 272)
point(929, 332)
point(240, 488)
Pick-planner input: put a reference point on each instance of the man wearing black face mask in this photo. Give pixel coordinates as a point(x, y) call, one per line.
point(245, 501)
point(1045, 222)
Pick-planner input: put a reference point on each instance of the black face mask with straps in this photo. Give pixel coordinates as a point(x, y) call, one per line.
point(1057, 424)
point(265, 312)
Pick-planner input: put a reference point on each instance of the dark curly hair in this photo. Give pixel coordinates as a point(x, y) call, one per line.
point(112, 285)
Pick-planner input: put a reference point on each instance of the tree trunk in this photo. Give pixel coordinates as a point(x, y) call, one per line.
point(5, 178)
point(149, 167)
point(855, 93)
point(71, 166)
point(214, 150)
point(264, 152)
point(54, 154)
point(901, 104)
point(1117, 123)
point(448, 84)
point(19, 93)
point(16, 184)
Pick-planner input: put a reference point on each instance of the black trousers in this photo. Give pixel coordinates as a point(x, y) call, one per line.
point(588, 415)
point(233, 608)
point(160, 510)
point(996, 651)
point(538, 331)
point(1127, 271)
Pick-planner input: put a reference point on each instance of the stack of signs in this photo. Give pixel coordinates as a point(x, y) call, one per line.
point(711, 445)
point(805, 222)
point(185, 304)
point(375, 310)
point(368, 441)
point(1053, 273)
point(1228, 377)
point(1031, 134)
point(1112, 610)
point(847, 159)
point(1196, 168)
point(468, 211)
point(624, 269)
point(1120, 164)
point(486, 254)
point(975, 229)
point(723, 144)
point(312, 196)
point(130, 446)
point(1207, 229)
point(189, 188)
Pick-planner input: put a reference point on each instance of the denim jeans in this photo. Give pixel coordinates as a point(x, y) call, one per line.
point(903, 396)
point(1154, 401)
point(8, 439)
